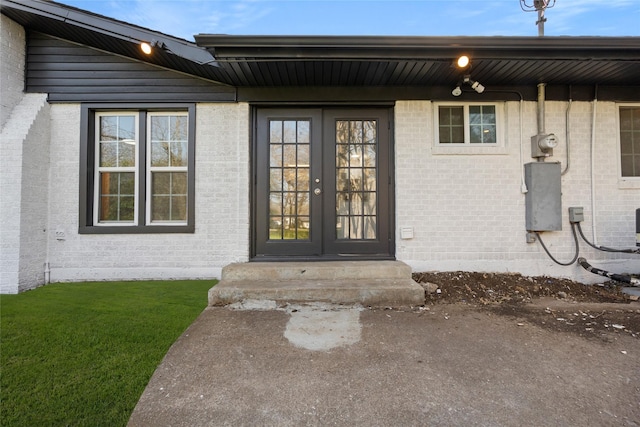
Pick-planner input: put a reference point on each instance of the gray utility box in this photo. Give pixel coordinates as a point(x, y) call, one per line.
point(543, 201)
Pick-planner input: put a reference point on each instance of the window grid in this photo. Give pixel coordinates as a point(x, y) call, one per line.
point(630, 141)
point(117, 158)
point(167, 168)
point(482, 124)
point(356, 179)
point(289, 185)
point(136, 184)
point(468, 124)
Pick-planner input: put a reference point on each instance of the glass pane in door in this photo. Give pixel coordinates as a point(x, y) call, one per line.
point(289, 186)
point(356, 178)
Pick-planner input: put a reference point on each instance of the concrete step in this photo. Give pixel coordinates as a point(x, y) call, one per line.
point(330, 270)
point(369, 283)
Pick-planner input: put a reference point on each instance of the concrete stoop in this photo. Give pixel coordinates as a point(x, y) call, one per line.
point(369, 283)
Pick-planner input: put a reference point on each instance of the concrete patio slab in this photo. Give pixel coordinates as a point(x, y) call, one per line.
point(449, 365)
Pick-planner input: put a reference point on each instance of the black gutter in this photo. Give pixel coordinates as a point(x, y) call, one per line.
point(421, 47)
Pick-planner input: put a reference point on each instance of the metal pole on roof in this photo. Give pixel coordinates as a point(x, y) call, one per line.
point(539, 6)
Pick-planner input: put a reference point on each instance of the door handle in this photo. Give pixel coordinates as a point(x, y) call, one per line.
point(317, 191)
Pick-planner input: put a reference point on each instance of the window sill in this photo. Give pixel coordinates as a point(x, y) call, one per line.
point(147, 229)
point(629, 183)
point(468, 150)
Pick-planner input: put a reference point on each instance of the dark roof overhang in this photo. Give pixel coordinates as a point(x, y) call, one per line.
point(405, 65)
point(110, 35)
point(409, 61)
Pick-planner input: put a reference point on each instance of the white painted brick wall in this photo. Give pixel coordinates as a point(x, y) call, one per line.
point(467, 211)
point(24, 168)
point(12, 44)
point(222, 207)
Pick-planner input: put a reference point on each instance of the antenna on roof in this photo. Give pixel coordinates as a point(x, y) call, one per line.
point(538, 6)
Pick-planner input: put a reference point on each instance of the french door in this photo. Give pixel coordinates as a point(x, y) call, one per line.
point(323, 184)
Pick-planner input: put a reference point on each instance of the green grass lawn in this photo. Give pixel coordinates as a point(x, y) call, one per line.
point(81, 354)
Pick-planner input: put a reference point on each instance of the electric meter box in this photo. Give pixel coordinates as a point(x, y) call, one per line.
point(543, 200)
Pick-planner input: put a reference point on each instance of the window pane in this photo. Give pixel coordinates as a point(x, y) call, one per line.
point(275, 131)
point(303, 179)
point(116, 197)
point(356, 132)
point(178, 153)
point(370, 204)
point(117, 141)
point(355, 180)
point(369, 179)
point(275, 228)
point(168, 196)
point(369, 227)
point(303, 155)
point(159, 153)
point(127, 129)
point(303, 131)
point(108, 154)
point(290, 156)
point(108, 128)
point(342, 203)
point(159, 128)
point(342, 155)
point(303, 203)
point(451, 125)
point(289, 179)
point(127, 153)
point(275, 179)
point(160, 208)
point(168, 140)
point(342, 131)
point(289, 132)
point(370, 132)
point(179, 128)
point(275, 204)
point(475, 114)
point(370, 155)
point(275, 151)
point(482, 124)
point(161, 183)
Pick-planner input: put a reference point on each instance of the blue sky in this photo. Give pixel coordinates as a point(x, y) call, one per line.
point(184, 18)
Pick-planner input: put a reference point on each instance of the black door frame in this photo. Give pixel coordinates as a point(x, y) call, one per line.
point(328, 114)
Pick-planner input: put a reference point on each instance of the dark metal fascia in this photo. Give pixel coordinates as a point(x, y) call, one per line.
point(419, 47)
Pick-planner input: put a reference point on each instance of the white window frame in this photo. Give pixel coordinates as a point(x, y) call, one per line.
point(624, 181)
point(150, 169)
point(467, 148)
point(99, 169)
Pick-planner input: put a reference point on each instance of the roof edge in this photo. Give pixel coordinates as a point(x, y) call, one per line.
point(110, 27)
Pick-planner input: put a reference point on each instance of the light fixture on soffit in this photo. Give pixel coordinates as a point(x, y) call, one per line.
point(463, 62)
point(147, 47)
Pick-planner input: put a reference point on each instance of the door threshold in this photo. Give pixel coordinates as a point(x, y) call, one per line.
point(338, 257)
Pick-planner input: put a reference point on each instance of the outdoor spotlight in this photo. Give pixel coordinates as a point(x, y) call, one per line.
point(463, 61)
point(158, 44)
point(477, 87)
point(146, 48)
point(457, 91)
